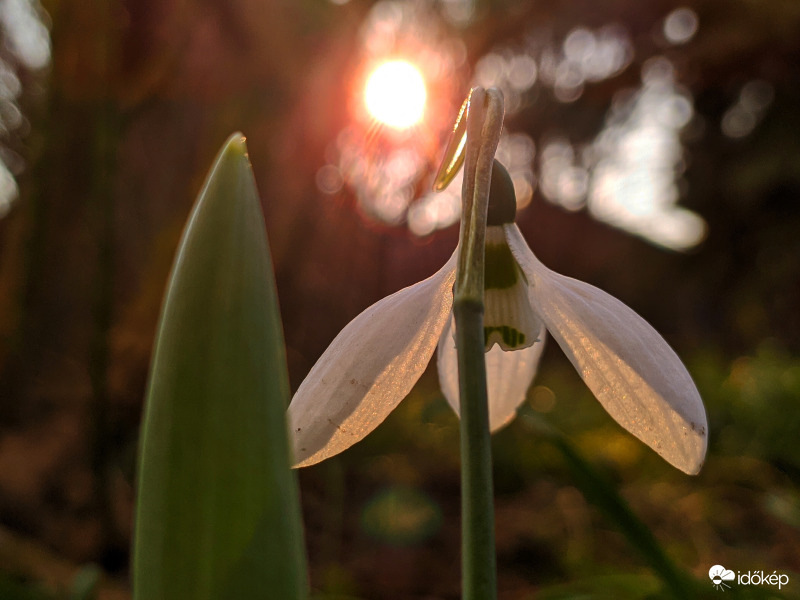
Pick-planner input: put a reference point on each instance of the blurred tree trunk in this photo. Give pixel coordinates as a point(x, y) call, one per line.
point(58, 361)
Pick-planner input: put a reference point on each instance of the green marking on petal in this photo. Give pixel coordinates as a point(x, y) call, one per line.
point(501, 267)
point(512, 337)
point(507, 308)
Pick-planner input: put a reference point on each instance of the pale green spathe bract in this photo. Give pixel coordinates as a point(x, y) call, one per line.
point(218, 513)
point(629, 367)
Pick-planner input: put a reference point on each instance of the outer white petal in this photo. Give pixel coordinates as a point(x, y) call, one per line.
point(508, 376)
point(369, 368)
point(629, 367)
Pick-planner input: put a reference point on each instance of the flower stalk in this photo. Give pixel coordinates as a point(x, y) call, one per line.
point(486, 313)
point(484, 122)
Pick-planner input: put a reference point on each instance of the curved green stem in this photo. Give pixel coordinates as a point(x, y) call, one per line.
point(479, 572)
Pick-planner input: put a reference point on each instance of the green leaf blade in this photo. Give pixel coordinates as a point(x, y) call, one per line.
point(218, 512)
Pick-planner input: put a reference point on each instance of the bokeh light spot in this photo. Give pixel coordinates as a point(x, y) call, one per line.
point(747, 112)
point(680, 25)
point(401, 516)
point(329, 179)
point(395, 94)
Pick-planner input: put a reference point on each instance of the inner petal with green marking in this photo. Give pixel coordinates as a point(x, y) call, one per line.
point(508, 318)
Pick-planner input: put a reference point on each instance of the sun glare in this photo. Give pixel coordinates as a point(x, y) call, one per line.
point(395, 94)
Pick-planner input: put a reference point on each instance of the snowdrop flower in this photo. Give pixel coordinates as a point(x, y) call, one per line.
point(378, 357)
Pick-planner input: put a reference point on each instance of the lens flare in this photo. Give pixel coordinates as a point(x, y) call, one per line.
point(395, 94)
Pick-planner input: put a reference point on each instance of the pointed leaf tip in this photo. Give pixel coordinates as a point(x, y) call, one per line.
point(236, 144)
point(217, 512)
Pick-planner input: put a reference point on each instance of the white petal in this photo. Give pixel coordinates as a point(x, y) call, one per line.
point(508, 376)
point(629, 367)
point(369, 368)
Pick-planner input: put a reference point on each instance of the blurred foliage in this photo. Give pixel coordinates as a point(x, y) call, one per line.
point(400, 516)
point(14, 590)
point(85, 584)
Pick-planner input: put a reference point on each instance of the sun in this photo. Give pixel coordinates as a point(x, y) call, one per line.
point(395, 94)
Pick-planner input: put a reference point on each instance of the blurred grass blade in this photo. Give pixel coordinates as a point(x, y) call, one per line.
point(602, 494)
point(217, 510)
